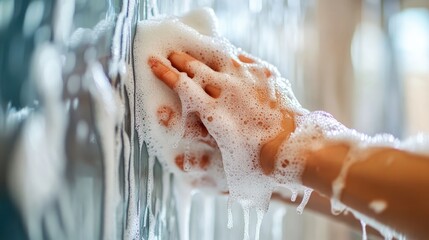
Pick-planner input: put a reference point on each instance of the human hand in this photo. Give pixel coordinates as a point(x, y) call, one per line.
point(240, 99)
point(197, 157)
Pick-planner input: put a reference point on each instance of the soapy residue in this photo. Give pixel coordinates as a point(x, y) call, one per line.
point(225, 158)
point(176, 135)
point(364, 234)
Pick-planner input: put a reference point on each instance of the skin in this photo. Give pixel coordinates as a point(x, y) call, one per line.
point(395, 177)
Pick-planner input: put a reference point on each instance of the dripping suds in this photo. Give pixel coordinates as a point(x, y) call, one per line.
point(363, 224)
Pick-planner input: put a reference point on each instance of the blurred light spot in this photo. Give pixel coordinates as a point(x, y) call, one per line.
point(67, 105)
point(47, 73)
point(42, 34)
point(75, 103)
point(96, 6)
point(73, 84)
point(33, 17)
point(82, 130)
point(51, 75)
point(17, 55)
point(70, 62)
point(63, 19)
point(90, 55)
point(411, 31)
point(368, 48)
point(81, 3)
point(255, 5)
point(6, 12)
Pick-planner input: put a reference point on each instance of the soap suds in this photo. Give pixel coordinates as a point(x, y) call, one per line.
point(364, 235)
point(193, 139)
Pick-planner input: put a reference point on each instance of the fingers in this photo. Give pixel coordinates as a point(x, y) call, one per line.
point(182, 62)
point(193, 161)
point(245, 59)
point(164, 73)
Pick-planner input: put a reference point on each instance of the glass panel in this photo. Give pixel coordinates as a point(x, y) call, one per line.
point(71, 163)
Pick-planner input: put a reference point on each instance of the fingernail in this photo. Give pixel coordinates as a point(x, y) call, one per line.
point(182, 56)
point(245, 59)
point(235, 63)
point(267, 72)
point(152, 62)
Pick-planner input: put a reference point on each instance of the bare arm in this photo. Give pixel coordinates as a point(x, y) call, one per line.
point(397, 178)
point(388, 185)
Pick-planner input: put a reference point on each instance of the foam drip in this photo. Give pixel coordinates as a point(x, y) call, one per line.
point(387, 232)
point(294, 196)
point(363, 224)
point(260, 217)
point(183, 194)
point(165, 197)
point(246, 215)
point(305, 198)
point(151, 217)
point(230, 223)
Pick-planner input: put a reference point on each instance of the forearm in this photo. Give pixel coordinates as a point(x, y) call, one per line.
point(387, 176)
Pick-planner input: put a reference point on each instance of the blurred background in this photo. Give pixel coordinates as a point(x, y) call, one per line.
point(364, 61)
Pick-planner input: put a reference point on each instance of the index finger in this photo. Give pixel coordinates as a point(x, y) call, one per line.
point(164, 73)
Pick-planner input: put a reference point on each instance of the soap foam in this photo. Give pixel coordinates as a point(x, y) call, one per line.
point(174, 134)
point(168, 124)
point(364, 234)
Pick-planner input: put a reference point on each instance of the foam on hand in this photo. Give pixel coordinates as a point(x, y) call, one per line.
point(199, 139)
point(166, 120)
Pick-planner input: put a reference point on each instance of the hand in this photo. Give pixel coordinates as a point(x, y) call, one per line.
point(237, 99)
point(198, 158)
point(241, 100)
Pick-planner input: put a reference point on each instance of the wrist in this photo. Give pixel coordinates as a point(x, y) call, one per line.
point(323, 166)
point(270, 149)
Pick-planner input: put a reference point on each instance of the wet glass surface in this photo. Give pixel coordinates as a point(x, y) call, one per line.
point(70, 168)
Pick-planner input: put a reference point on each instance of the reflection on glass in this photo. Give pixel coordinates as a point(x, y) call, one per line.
point(71, 164)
